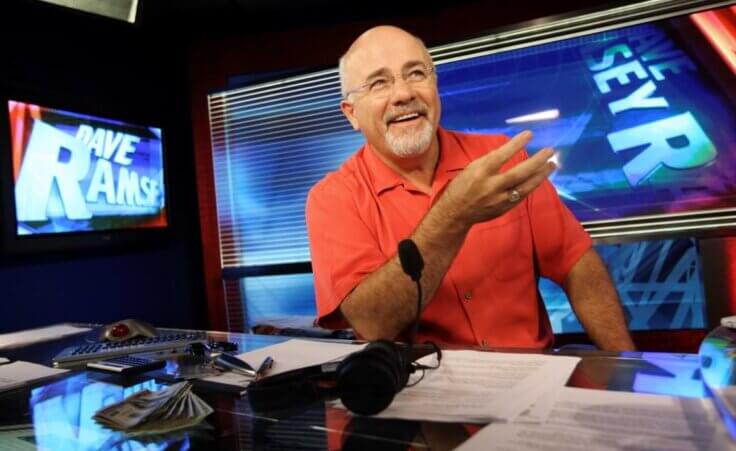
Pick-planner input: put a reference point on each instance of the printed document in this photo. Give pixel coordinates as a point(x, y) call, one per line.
point(476, 386)
point(583, 419)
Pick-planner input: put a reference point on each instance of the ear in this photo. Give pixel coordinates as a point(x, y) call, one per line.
point(348, 109)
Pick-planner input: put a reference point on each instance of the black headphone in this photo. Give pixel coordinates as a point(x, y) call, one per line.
point(368, 380)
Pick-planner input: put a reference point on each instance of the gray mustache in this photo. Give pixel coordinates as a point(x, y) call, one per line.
point(414, 107)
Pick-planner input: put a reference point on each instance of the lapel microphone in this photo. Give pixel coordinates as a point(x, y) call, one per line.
point(412, 263)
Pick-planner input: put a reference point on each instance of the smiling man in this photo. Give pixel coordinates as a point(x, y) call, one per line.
point(482, 213)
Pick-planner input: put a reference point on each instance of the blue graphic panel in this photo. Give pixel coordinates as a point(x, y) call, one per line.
point(659, 283)
point(640, 125)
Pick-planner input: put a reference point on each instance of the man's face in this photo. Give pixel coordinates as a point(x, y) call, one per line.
point(400, 121)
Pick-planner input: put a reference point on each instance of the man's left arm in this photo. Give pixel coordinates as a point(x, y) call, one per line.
point(596, 303)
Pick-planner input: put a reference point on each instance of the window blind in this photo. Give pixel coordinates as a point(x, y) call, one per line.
point(271, 144)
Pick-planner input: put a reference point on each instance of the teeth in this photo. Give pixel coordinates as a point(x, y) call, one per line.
point(406, 116)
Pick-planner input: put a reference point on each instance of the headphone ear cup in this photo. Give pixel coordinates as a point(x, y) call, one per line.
point(368, 380)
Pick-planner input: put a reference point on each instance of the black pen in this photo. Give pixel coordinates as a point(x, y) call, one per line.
point(265, 366)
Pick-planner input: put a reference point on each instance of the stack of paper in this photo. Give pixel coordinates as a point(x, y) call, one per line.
point(472, 386)
point(524, 398)
point(171, 408)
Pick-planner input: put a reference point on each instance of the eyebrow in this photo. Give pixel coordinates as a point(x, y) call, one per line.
point(385, 70)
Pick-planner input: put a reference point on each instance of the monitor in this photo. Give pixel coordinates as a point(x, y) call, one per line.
point(78, 180)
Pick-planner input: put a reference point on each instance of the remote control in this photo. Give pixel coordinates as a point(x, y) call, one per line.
point(127, 365)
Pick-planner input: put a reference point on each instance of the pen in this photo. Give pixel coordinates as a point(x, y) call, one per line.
point(233, 363)
point(265, 366)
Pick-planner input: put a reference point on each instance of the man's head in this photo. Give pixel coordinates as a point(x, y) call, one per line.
point(390, 92)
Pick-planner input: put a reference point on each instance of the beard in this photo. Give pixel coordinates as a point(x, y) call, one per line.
point(407, 142)
point(411, 142)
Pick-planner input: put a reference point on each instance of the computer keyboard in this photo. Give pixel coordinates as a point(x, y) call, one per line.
point(101, 350)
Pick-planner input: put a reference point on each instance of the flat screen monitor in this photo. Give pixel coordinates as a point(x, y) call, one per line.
point(79, 179)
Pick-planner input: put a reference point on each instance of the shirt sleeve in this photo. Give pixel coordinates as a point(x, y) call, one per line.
point(343, 248)
point(558, 237)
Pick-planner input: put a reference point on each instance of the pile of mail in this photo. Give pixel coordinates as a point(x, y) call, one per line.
point(147, 412)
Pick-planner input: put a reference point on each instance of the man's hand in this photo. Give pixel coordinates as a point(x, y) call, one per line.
point(480, 192)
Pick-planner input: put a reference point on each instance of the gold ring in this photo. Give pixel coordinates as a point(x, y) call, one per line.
point(514, 196)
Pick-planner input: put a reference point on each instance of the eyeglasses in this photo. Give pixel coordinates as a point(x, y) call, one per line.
point(382, 84)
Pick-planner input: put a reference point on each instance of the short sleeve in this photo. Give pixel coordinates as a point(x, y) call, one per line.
point(559, 238)
point(343, 247)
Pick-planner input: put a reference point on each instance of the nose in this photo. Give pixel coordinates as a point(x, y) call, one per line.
point(401, 91)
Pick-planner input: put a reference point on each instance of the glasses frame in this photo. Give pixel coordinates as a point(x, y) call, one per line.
point(365, 87)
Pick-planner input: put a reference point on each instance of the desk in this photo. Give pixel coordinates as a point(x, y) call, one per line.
point(57, 415)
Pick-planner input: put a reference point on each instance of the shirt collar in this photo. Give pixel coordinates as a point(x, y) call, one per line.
point(453, 158)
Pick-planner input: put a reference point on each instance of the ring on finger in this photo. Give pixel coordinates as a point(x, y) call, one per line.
point(514, 195)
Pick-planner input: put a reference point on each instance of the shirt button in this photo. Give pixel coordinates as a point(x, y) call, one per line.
point(468, 295)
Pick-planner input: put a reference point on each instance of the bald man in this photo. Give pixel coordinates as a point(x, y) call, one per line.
point(482, 213)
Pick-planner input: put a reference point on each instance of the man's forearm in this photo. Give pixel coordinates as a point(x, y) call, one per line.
point(384, 303)
point(596, 304)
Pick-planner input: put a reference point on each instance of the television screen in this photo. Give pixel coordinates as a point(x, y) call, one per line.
point(73, 172)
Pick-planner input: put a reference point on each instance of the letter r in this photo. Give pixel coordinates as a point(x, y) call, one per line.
point(698, 151)
point(41, 166)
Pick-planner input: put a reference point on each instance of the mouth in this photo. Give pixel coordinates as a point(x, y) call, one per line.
point(406, 118)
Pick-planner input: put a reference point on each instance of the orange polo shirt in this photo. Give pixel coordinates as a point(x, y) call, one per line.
point(357, 215)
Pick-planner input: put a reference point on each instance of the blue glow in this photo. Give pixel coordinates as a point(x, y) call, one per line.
point(62, 415)
point(670, 374)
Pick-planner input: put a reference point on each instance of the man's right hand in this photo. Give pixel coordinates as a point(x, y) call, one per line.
point(480, 192)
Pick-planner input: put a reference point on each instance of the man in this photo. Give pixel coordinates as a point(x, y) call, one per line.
point(482, 214)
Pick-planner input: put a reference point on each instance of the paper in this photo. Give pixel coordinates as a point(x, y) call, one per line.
point(19, 373)
point(583, 419)
point(287, 356)
point(478, 386)
point(24, 337)
point(294, 354)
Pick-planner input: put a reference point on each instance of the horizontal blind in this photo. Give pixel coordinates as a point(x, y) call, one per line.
point(271, 143)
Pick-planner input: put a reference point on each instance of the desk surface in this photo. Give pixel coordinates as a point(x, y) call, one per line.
point(57, 414)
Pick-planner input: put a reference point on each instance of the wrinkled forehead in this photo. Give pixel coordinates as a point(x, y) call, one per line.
point(389, 51)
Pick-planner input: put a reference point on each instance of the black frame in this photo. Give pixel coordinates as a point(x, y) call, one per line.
point(88, 242)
